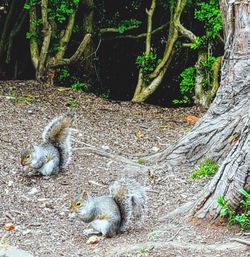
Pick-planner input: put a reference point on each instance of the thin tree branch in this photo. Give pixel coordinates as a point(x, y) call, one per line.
point(172, 36)
point(18, 25)
point(142, 35)
point(34, 50)
point(149, 27)
point(76, 56)
point(66, 37)
point(47, 36)
point(186, 33)
point(5, 29)
point(116, 30)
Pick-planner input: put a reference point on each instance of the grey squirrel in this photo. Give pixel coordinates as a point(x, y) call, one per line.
point(112, 214)
point(54, 153)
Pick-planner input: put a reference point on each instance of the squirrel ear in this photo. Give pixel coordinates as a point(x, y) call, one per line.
point(86, 196)
point(34, 147)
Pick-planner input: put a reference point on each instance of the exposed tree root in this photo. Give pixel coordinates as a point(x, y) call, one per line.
point(241, 241)
point(164, 245)
point(131, 164)
point(95, 150)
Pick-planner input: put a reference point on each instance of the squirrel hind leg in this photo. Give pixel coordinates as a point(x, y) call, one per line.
point(91, 232)
point(105, 227)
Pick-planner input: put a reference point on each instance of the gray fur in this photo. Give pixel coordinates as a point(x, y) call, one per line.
point(51, 155)
point(134, 202)
point(102, 213)
point(112, 214)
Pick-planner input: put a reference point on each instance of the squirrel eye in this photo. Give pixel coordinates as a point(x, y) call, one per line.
point(27, 156)
point(78, 203)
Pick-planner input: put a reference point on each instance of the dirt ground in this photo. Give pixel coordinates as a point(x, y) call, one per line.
point(38, 206)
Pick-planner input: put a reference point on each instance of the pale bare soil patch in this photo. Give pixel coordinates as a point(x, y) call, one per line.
point(39, 207)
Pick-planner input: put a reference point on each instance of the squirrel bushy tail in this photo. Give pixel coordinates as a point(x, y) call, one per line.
point(58, 133)
point(131, 198)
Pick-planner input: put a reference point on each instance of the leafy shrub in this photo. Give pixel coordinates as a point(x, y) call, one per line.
point(77, 85)
point(58, 10)
point(147, 64)
point(62, 74)
point(242, 217)
point(72, 103)
point(186, 85)
point(105, 95)
point(208, 12)
point(124, 25)
point(206, 168)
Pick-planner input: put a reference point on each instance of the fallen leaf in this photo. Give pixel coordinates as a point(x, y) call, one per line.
point(165, 126)
point(139, 134)
point(190, 119)
point(33, 191)
point(94, 240)
point(61, 89)
point(155, 149)
point(9, 226)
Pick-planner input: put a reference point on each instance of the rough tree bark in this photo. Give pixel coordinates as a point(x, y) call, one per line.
point(223, 134)
point(204, 96)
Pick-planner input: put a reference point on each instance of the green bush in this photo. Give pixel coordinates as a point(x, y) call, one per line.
point(206, 168)
point(242, 217)
point(147, 64)
point(186, 85)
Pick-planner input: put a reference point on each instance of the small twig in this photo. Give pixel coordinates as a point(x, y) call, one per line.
point(152, 191)
point(35, 224)
point(241, 241)
point(9, 216)
point(2, 180)
point(19, 212)
point(83, 143)
point(96, 183)
point(99, 43)
point(174, 236)
point(103, 153)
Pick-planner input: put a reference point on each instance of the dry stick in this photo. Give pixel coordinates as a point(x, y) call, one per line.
point(173, 237)
point(2, 180)
point(108, 155)
point(115, 157)
point(103, 153)
point(242, 241)
point(96, 183)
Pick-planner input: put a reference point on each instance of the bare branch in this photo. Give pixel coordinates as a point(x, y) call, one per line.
point(186, 33)
point(78, 53)
point(47, 36)
point(65, 38)
point(142, 35)
point(116, 30)
point(34, 50)
point(18, 25)
point(149, 27)
point(172, 36)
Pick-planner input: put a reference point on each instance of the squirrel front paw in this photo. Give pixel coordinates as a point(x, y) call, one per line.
point(90, 232)
point(29, 171)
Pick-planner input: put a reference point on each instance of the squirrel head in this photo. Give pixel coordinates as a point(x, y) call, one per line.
point(84, 207)
point(26, 156)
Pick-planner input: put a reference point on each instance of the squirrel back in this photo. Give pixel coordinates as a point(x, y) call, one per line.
point(54, 153)
point(131, 198)
point(112, 214)
point(58, 134)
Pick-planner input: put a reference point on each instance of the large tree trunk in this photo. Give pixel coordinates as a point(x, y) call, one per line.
point(223, 133)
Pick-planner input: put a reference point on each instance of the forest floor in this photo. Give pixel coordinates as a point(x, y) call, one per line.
point(38, 206)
